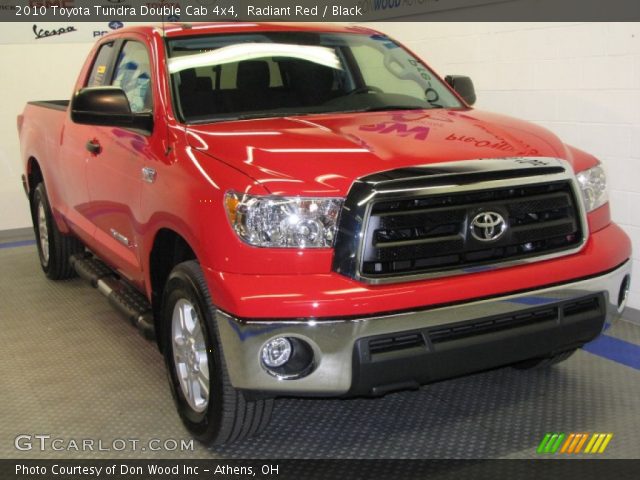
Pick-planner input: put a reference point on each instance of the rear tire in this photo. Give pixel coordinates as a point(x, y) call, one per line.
point(54, 248)
point(209, 406)
point(546, 362)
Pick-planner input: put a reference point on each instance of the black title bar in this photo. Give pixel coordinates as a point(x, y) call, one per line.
point(318, 469)
point(316, 10)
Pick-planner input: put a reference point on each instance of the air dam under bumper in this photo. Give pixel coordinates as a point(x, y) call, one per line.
point(374, 355)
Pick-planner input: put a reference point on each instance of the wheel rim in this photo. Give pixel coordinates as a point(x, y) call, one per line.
point(43, 233)
point(190, 355)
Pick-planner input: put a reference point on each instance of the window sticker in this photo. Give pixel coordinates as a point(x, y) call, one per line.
point(99, 76)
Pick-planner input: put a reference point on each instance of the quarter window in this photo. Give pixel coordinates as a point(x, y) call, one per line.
point(100, 65)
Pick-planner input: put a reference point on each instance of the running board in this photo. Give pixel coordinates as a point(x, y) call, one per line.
point(125, 299)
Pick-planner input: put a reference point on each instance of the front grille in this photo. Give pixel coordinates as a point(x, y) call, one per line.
point(433, 233)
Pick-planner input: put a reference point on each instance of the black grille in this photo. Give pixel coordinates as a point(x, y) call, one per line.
point(505, 322)
point(396, 342)
point(432, 233)
point(431, 338)
point(588, 306)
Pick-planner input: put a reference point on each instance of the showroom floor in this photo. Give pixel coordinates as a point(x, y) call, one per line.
point(72, 369)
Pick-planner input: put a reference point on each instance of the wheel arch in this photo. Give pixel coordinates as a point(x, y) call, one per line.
point(169, 249)
point(34, 174)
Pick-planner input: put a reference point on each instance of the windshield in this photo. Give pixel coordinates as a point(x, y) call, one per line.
point(222, 77)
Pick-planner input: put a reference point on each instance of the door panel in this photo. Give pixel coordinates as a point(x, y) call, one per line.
point(73, 156)
point(114, 176)
point(114, 181)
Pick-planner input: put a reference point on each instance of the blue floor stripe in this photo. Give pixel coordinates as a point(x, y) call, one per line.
point(615, 349)
point(22, 243)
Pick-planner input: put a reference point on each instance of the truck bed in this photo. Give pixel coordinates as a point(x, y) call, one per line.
point(40, 127)
point(53, 104)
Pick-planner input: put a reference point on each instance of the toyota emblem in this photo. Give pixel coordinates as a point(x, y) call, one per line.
point(488, 226)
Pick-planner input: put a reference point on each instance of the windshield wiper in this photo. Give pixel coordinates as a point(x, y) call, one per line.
point(257, 115)
point(383, 108)
point(233, 118)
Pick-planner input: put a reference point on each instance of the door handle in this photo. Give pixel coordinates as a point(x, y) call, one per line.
point(94, 147)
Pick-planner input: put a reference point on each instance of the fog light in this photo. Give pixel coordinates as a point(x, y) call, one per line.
point(276, 352)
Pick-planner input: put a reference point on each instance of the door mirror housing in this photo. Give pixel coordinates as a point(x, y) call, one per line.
point(109, 107)
point(463, 86)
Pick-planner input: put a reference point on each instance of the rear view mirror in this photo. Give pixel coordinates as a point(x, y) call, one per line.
point(463, 87)
point(108, 106)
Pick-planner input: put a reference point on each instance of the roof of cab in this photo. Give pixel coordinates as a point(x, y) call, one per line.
point(172, 30)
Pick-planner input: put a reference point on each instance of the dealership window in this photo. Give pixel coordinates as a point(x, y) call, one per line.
point(133, 75)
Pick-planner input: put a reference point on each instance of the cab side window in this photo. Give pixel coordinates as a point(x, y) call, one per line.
point(100, 65)
point(133, 75)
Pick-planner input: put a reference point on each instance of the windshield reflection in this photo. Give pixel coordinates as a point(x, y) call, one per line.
point(276, 74)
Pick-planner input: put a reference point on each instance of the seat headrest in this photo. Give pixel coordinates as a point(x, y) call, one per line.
point(188, 77)
point(253, 75)
point(204, 84)
point(312, 81)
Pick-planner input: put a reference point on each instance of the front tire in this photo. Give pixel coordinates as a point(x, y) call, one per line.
point(209, 406)
point(54, 248)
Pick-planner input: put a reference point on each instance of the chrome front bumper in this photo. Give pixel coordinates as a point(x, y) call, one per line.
point(333, 341)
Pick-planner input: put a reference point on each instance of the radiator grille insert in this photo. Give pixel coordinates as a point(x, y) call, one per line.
point(432, 233)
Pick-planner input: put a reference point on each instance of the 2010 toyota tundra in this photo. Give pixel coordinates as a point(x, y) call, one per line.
point(296, 210)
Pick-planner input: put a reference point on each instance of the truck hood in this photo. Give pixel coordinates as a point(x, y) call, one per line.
point(323, 154)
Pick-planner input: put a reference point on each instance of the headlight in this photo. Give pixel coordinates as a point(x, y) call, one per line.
point(593, 184)
point(293, 222)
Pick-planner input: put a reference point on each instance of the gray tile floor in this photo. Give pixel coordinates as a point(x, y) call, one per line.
point(73, 369)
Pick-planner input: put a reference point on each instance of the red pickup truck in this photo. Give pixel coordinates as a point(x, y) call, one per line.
point(296, 210)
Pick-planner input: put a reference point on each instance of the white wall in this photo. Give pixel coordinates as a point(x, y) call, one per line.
point(30, 69)
point(582, 81)
point(29, 72)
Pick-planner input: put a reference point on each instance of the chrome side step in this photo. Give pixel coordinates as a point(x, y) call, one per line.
point(125, 299)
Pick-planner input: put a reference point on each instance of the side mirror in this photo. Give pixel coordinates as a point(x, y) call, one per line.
point(463, 86)
point(108, 106)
